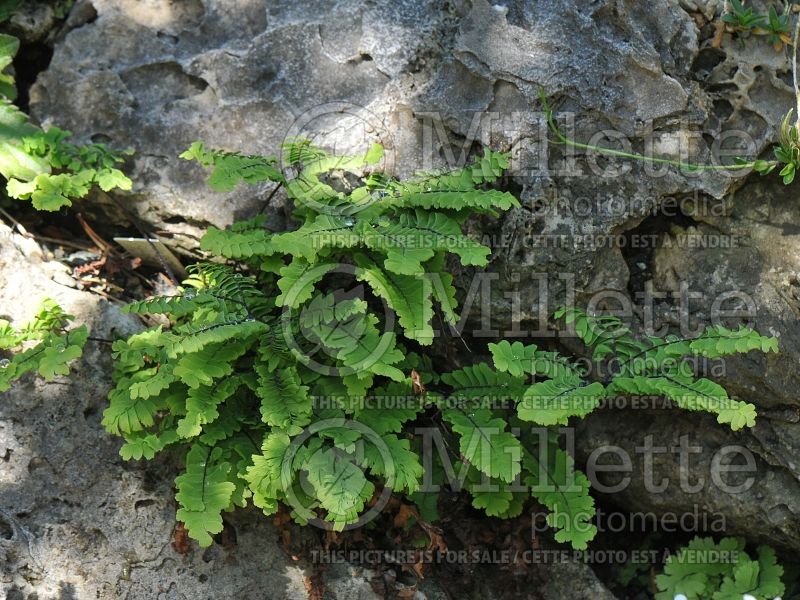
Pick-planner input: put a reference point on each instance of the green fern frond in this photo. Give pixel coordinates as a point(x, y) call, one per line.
point(202, 405)
point(298, 279)
point(139, 349)
point(715, 342)
point(483, 169)
point(145, 445)
point(564, 491)
point(395, 406)
point(732, 575)
point(325, 231)
point(520, 360)
point(307, 188)
point(485, 443)
point(340, 486)
point(210, 363)
point(481, 386)
point(324, 308)
point(264, 477)
point(494, 497)
point(51, 172)
point(415, 237)
point(204, 492)
point(316, 161)
point(230, 168)
point(50, 319)
point(456, 190)
point(228, 423)
point(467, 199)
point(189, 339)
point(393, 460)
point(49, 358)
point(285, 402)
point(515, 359)
point(719, 341)
point(273, 348)
point(649, 367)
point(410, 297)
point(300, 152)
point(149, 383)
point(554, 401)
point(126, 414)
point(55, 346)
point(692, 394)
point(495, 503)
point(605, 334)
point(360, 347)
point(241, 241)
point(555, 366)
point(444, 292)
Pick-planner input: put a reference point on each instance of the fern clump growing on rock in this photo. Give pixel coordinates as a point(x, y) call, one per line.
point(720, 570)
point(44, 345)
point(42, 166)
point(283, 387)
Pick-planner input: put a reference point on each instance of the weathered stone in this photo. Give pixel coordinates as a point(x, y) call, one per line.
point(76, 521)
point(157, 75)
point(574, 580)
point(236, 77)
point(747, 261)
point(697, 496)
point(33, 22)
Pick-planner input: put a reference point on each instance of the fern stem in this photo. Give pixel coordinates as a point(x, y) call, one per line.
point(794, 69)
point(687, 387)
point(544, 467)
point(205, 473)
point(271, 195)
point(662, 345)
point(252, 441)
point(562, 139)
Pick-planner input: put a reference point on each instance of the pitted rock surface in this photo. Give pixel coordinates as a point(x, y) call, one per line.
point(432, 81)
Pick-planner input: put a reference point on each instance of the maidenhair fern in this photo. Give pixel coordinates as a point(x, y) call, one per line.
point(69, 170)
point(653, 366)
point(706, 569)
point(44, 345)
point(282, 389)
point(41, 166)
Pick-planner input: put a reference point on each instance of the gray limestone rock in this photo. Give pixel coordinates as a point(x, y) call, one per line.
point(431, 80)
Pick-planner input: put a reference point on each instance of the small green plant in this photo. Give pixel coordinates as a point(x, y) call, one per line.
point(741, 18)
point(44, 345)
point(284, 387)
point(41, 166)
point(775, 26)
point(72, 170)
point(705, 569)
point(787, 152)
